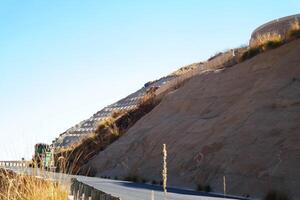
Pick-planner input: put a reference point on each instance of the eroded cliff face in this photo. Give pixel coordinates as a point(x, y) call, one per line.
point(242, 122)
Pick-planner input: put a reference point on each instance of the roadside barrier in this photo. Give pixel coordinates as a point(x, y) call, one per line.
point(14, 163)
point(82, 191)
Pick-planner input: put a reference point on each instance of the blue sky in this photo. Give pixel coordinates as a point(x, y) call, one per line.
point(61, 61)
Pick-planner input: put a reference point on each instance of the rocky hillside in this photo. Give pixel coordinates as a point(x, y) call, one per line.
point(242, 122)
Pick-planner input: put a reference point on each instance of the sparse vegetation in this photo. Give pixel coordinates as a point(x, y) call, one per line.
point(263, 43)
point(20, 187)
point(269, 41)
point(275, 195)
point(107, 132)
point(251, 52)
point(135, 178)
point(294, 31)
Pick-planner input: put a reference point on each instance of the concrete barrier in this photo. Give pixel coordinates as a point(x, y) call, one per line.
point(82, 191)
point(20, 164)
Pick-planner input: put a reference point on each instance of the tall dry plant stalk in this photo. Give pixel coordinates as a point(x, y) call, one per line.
point(164, 171)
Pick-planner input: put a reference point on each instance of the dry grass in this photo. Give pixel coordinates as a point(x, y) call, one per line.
point(24, 187)
point(107, 132)
point(295, 25)
point(261, 40)
point(263, 43)
point(269, 41)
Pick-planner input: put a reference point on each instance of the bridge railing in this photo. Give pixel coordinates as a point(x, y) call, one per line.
point(4, 164)
point(83, 191)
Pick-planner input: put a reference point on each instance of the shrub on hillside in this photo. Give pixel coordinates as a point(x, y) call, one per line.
point(263, 43)
point(294, 31)
point(275, 195)
point(203, 188)
point(272, 44)
point(132, 178)
point(251, 52)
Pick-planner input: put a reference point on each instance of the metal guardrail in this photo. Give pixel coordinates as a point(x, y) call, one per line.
point(82, 191)
point(14, 163)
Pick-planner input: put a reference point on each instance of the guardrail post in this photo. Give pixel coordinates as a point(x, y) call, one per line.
point(95, 194)
point(75, 189)
point(73, 180)
point(87, 192)
point(102, 196)
point(80, 190)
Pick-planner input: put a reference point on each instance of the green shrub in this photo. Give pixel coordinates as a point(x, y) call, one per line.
point(132, 178)
point(272, 44)
point(203, 188)
point(253, 51)
point(275, 195)
point(144, 180)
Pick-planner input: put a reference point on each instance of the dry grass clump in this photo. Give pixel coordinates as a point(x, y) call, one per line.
point(269, 41)
point(24, 187)
point(261, 40)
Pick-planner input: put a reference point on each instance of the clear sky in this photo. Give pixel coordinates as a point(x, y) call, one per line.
point(61, 61)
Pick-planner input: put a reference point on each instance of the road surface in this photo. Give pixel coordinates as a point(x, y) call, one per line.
point(124, 189)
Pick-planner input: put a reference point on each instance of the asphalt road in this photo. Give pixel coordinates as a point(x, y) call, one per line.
point(126, 190)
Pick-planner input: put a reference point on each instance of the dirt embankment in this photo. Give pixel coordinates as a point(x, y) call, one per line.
point(242, 123)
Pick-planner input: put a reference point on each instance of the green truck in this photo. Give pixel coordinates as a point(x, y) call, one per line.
point(42, 156)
